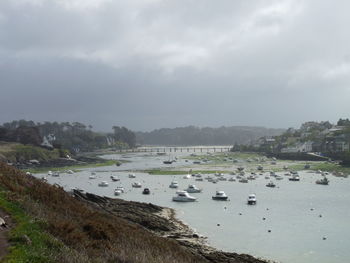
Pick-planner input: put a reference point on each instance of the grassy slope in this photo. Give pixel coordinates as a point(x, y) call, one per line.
point(19, 152)
point(84, 234)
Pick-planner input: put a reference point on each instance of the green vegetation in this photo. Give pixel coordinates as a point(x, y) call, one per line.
point(39, 247)
point(75, 168)
point(224, 157)
point(76, 137)
point(16, 152)
point(179, 172)
point(331, 167)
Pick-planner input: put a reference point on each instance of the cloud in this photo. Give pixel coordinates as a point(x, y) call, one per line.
point(154, 63)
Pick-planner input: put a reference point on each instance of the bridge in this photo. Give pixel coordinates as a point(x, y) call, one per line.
point(172, 149)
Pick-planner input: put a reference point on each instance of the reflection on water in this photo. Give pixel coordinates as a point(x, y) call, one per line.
point(294, 222)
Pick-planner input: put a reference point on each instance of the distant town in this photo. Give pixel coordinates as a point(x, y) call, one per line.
point(321, 138)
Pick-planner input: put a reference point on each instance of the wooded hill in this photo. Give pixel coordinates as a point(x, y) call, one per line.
point(192, 135)
point(75, 137)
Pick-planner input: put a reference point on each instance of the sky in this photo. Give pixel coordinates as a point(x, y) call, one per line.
point(150, 64)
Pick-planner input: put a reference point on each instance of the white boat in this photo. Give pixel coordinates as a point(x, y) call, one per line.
point(132, 176)
point(232, 179)
point(56, 174)
point(70, 172)
point(183, 196)
point(103, 184)
point(136, 185)
point(120, 188)
point(295, 177)
point(251, 199)
point(323, 181)
point(174, 184)
point(92, 176)
point(193, 189)
point(115, 178)
point(187, 176)
point(220, 195)
point(49, 173)
point(117, 192)
point(278, 177)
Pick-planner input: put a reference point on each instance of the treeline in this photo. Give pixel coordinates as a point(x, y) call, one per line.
point(75, 136)
point(192, 135)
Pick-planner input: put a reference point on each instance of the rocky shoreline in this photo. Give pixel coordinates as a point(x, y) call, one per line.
point(163, 222)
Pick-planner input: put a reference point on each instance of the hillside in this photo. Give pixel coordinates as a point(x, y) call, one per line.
point(192, 135)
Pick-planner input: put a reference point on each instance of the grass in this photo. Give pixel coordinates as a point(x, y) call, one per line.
point(331, 167)
point(70, 167)
point(180, 172)
point(16, 152)
point(42, 246)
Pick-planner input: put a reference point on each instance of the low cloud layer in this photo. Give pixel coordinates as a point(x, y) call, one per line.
point(156, 63)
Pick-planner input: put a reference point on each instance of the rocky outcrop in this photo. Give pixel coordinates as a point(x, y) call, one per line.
point(162, 221)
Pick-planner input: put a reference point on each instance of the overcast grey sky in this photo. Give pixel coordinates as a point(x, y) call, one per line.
point(167, 63)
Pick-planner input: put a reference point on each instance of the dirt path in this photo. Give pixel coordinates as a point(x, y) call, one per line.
point(4, 244)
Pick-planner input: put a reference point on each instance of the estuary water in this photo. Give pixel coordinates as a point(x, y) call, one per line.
point(293, 222)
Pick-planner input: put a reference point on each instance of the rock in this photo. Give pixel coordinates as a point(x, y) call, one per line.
point(26, 239)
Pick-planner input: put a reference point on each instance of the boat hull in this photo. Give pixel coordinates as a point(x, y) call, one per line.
point(220, 198)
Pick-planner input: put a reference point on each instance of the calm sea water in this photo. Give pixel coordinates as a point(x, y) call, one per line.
point(299, 215)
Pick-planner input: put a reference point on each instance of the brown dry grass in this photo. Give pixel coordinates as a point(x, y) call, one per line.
point(89, 235)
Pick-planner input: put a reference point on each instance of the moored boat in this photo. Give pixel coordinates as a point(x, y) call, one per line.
point(251, 199)
point(323, 181)
point(193, 189)
point(295, 177)
point(174, 184)
point(115, 178)
point(220, 196)
point(103, 184)
point(136, 185)
point(146, 191)
point(271, 184)
point(183, 196)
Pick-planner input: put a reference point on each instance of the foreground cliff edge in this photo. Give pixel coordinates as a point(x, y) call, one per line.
point(50, 225)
